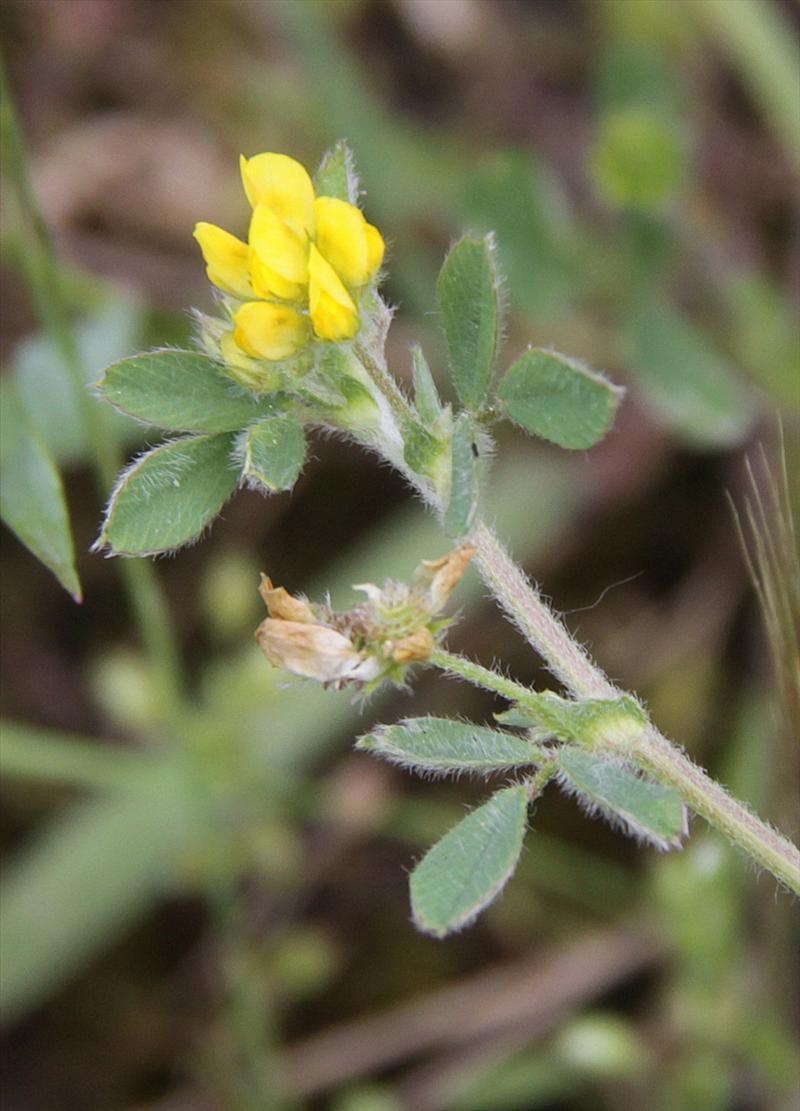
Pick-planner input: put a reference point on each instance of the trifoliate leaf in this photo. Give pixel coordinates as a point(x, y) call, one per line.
point(461, 874)
point(168, 495)
point(559, 399)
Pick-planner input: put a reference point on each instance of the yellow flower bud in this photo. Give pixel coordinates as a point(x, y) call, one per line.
point(269, 331)
point(333, 312)
point(283, 185)
point(227, 259)
point(341, 238)
point(375, 250)
point(250, 373)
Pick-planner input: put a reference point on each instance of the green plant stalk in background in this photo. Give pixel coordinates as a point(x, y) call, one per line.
point(41, 270)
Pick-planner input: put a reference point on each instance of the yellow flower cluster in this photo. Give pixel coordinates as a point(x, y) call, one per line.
point(300, 273)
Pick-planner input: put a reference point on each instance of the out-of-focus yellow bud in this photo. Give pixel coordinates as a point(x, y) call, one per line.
point(227, 259)
point(282, 184)
point(269, 331)
point(333, 312)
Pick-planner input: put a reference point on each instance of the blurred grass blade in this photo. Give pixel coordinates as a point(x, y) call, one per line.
point(32, 499)
point(49, 394)
point(442, 745)
point(643, 808)
point(461, 874)
point(85, 877)
point(685, 381)
point(49, 757)
point(762, 43)
point(513, 194)
point(169, 495)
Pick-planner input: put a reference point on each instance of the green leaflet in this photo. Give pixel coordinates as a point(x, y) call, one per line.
point(168, 496)
point(646, 809)
point(426, 396)
point(559, 399)
point(443, 745)
point(336, 176)
point(468, 868)
point(274, 452)
point(181, 391)
point(31, 495)
point(467, 297)
point(464, 485)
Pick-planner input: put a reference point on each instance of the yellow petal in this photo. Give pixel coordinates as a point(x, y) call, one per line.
point(268, 283)
point(268, 331)
point(283, 184)
point(227, 259)
point(341, 238)
point(416, 646)
point(277, 246)
point(375, 250)
point(333, 312)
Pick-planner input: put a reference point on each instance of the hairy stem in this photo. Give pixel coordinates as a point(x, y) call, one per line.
point(529, 612)
point(38, 261)
point(654, 754)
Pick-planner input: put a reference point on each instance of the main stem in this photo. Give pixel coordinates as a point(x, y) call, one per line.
point(573, 666)
point(44, 281)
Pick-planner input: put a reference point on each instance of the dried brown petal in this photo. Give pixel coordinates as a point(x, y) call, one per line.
point(314, 651)
point(283, 605)
point(417, 646)
point(444, 573)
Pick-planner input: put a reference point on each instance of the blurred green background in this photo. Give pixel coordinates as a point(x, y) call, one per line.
point(210, 913)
